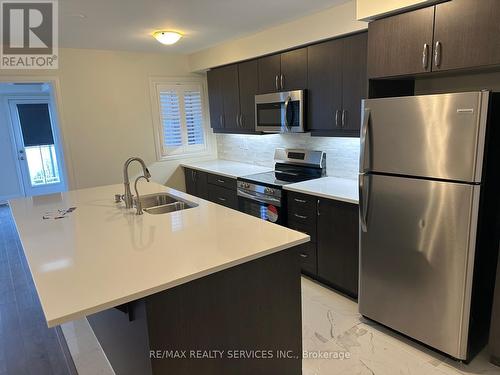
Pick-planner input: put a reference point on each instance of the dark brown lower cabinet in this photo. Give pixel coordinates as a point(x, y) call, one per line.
point(332, 255)
point(338, 245)
point(196, 183)
point(215, 188)
point(254, 306)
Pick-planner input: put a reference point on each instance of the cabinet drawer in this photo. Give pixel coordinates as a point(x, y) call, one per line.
point(301, 205)
point(307, 256)
point(223, 196)
point(304, 226)
point(227, 182)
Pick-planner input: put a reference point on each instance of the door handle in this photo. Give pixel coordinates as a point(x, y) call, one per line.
point(238, 125)
point(437, 54)
point(337, 112)
point(276, 83)
point(344, 115)
point(299, 200)
point(425, 56)
point(364, 191)
point(282, 81)
point(365, 141)
point(287, 102)
point(300, 216)
point(241, 120)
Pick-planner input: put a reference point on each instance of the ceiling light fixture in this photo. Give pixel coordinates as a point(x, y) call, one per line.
point(167, 37)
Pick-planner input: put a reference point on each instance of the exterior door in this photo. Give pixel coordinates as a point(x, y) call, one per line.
point(416, 256)
point(38, 146)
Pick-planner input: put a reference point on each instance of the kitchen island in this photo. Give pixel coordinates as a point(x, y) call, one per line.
point(202, 290)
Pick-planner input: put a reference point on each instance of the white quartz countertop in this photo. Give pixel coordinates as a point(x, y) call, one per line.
point(227, 168)
point(340, 189)
point(103, 255)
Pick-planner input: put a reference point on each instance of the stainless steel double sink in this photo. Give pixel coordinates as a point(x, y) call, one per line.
point(163, 203)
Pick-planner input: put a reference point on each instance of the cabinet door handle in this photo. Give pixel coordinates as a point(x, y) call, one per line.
point(437, 54)
point(238, 121)
point(282, 81)
point(317, 208)
point(302, 255)
point(300, 216)
point(241, 120)
point(425, 56)
point(299, 200)
point(276, 83)
point(221, 120)
point(337, 112)
point(220, 181)
point(344, 115)
point(221, 199)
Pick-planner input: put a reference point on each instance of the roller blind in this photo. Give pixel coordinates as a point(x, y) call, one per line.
point(35, 124)
point(181, 118)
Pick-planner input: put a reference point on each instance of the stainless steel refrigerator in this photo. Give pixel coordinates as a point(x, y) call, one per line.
point(426, 195)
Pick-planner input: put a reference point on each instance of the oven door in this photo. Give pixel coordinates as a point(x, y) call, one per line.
point(281, 112)
point(258, 206)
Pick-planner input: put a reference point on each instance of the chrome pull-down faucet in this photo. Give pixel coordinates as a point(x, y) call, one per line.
point(127, 198)
point(138, 203)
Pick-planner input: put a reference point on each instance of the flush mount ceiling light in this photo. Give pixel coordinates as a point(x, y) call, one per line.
point(167, 37)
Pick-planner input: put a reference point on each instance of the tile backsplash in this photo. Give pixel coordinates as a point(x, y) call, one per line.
point(342, 154)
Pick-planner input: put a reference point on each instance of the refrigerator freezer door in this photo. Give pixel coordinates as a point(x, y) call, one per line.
point(435, 136)
point(416, 258)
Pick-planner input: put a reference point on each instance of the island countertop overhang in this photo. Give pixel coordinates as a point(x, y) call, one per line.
point(103, 255)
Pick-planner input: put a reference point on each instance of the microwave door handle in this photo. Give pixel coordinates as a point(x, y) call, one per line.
point(287, 104)
point(365, 141)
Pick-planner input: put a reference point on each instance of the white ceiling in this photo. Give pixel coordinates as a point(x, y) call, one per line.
point(127, 24)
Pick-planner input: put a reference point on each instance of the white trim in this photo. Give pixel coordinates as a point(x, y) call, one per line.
point(154, 82)
point(67, 165)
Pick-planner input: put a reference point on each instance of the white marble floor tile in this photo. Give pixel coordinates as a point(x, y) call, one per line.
point(332, 324)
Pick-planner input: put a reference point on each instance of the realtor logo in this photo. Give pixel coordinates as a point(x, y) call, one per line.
point(29, 34)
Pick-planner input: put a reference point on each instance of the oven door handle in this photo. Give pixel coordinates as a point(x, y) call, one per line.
point(267, 200)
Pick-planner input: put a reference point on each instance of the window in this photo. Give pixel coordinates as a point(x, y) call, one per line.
point(180, 118)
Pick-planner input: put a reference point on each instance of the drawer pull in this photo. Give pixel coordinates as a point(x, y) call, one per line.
point(221, 181)
point(221, 199)
point(299, 200)
point(302, 255)
point(300, 216)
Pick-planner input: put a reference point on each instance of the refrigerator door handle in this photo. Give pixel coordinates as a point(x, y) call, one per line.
point(364, 191)
point(365, 141)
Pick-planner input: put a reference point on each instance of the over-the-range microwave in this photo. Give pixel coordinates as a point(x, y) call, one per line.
point(280, 112)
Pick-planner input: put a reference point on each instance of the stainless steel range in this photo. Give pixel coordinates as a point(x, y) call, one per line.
point(262, 194)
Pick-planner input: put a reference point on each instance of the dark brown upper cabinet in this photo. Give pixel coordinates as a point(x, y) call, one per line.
point(325, 85)
point(401, 44)
point(283, 72)
point(215, 99)
point(355, 82)
point(231, 91)
point(466, 34)
point(269, 73)
point(337, 83)
point(294, 70)
point(223, 97)
point(453, 35)
point(249, 87)
point(231, 96)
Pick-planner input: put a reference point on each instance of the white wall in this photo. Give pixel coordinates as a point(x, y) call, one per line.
point(106, 112)
point(370, 9)
point(10, 186)
point(329, 23)
point(342, 154)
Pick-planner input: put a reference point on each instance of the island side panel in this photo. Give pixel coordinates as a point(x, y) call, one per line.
point(124, 338)
point(254, 307)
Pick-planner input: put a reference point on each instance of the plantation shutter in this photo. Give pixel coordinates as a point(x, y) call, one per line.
point(194, 119)
point(181, 118)
point(171, 119)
